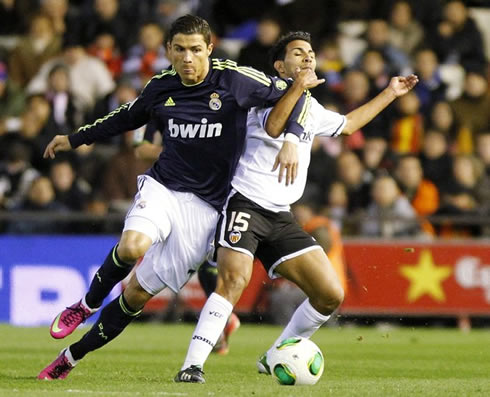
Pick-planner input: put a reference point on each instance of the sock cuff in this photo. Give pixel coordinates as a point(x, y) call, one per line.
point(126, 308)
point(313, 313)
point(118, 261)
point(70, 358)
point(221, 301)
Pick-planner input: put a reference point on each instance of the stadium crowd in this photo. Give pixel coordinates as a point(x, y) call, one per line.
point(67, 63)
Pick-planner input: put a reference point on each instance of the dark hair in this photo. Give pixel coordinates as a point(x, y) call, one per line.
point(190, 24)
point(278, 52)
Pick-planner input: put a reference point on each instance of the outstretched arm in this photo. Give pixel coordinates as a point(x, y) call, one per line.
point(359, 117)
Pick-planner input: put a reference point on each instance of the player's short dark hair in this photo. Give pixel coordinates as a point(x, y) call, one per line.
point(278, 52)
point(190, 24)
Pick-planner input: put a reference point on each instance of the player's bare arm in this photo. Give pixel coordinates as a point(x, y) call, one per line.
point(59, 143)
point(287, 159)
point(304, 79)
point(359, 117)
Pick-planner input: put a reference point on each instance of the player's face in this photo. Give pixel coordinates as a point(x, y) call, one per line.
point(299, 54)
point(189, 55)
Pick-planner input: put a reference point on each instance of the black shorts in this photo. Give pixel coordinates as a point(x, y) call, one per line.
point(273, 237)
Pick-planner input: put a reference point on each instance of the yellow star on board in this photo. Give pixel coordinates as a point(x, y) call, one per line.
point(426, 278)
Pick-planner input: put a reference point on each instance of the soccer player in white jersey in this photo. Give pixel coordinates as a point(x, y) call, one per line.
point(256, 219)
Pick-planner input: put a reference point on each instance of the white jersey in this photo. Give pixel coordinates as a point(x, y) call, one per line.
point(254, 177)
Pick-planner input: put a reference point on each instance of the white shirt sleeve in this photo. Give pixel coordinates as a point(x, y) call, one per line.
point(327, 123)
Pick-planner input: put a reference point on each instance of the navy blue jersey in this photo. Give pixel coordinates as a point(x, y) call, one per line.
point(203, 125)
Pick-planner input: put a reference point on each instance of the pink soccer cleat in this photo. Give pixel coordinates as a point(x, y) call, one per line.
point(69, 319)
point(222, 346)
point(58, 369)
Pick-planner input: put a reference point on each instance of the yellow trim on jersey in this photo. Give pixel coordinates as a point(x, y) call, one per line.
point(306, 109)
point(122, 107)
point(165, 72)
point(245, 70)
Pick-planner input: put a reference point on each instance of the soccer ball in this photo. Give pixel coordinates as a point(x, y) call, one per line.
point(296, 361)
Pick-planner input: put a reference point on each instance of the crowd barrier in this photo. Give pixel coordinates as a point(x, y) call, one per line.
point(40, 275)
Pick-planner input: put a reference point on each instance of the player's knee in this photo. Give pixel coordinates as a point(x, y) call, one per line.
point(328, 301)
point(129, 250)
point(230, 285)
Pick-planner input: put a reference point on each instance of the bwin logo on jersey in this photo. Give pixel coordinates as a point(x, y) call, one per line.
point(203, 130)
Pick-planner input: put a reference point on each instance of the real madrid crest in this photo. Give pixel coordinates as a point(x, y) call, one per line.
point(215, 102)
point(281, 85)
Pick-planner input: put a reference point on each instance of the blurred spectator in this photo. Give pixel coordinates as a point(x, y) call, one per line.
point(320, 172)
point(167, 11)
point(256, 53)
point(472, 110)
point(105, 47)
point(460, 198)
point(121, 174)
point(70, 190)
point(61, 16)
point(37, 47)
point(326, 234)
point(40, 198)
point(422, 193)
point(442, 119)
point(89, 77)
point(13, 16)
point(146, 58)
point(389, 213)
point(456, 39)
point(430, 88)
point(351, 173)
point(483, 152)
point(435, 158)
point(375, 155)
point(107, 16)
point(377, 38)
point(12, 102)
point(374, 65)
point(405, 32)
point(16, 175)
point(329, 62)
point(407, 131)
point(337, 204)
point(65, 116)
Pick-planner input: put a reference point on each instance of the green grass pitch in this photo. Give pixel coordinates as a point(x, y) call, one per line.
point(359, 362)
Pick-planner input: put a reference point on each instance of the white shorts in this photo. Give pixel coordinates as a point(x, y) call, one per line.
point(182, 228)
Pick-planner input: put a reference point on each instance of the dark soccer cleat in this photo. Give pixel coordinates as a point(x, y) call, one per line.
point(58, 369)
point(262, 365)
point(69, 319)
point(193, 374)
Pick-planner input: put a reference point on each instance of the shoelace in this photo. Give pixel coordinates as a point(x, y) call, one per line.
point(60, 368)
point(74, 316)
point(195, 370)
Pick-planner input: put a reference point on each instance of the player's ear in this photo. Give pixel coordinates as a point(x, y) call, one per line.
point(279, 66)
point(210, 48)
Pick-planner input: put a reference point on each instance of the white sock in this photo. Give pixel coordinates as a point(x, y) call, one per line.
point(304, 322)
point(212, 321)
point(70, 357)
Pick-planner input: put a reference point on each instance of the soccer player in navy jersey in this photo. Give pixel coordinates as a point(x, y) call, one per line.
point(201, 106)
point(256, 219)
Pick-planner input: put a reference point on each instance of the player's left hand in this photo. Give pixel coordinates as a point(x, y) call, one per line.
point(401, 85)
point(287, 159)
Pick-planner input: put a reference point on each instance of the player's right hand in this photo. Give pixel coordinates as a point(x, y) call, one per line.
point(59, 143)
point(307, 78)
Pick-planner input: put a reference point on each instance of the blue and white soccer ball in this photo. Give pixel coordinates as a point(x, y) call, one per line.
point(296, 361)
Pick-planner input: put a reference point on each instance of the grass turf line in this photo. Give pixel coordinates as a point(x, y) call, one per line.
point(359, 362)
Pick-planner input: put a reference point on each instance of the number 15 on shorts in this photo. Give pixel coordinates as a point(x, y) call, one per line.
point(238, 221)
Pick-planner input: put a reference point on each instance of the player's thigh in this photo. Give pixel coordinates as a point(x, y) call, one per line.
point(315, 275)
